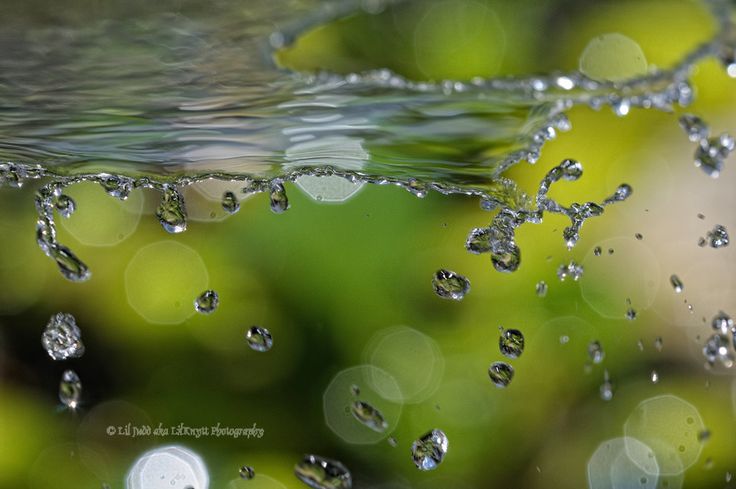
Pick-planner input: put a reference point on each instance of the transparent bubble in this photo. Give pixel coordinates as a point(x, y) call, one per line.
point(331, 188)
point(613, 57)
point(633, 271)
point(611, 466)
point(670, 426)
point(161, 280)
point(409, 356)
point(169, 467)
point(338, 400)
point(100, 220)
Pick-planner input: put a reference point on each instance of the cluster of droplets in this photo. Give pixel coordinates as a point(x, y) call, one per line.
point(712, 151)
point(511, 345)
point(717, 348)
point(715, 238)
point(62, 340)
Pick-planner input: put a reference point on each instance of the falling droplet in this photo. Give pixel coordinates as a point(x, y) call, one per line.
point(511, 343)
point(658, 343)
point(355, 390)
point(259, 339)
point(450, 285)
point(597, 251)
point(722, 323)
point(704, 435)
point(62, 338)
point(639, 236)
point(322, 473)
point(247, 472)
point(428, 451)
point(501, 374)
point(571, 270)
point(70, 389)
point(717, 237)
point(507, 261)
point(606, 389)
point(541, 288)
point(631, 314)
point(171, 212)
point(230, 202)
point(695, 128)
point(207, 302)
point(654, 377)
point(676, 283)
point(716, 348)
point(369, 416)
point(279, 200)
point(71, 267)
point(712, 153)
point(595, 352)
point(392, 441)
point(479, 241)
point(65, 205)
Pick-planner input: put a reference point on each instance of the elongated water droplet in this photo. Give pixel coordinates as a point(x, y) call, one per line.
point(658, 343)
point(511, 343)
point(541, 288)
point(501, 374)
point(62, 338)
point(695, 128)
point(639, 236)
point(450, 285)
point(572, 270)
point(65, 205)
point(676, 283)
point(259, 339)
point(71, 267)
point(717, 237)
point(654, 377)
point(595, 352)
point(322, 473)
point(392, 441)
point(70, 389)
point(247, 472)
point(606, 389)
point(207, 302)
point(429, 450)
point(171, 212)
point(369, 416)
point(279, 200)
point(230, 202)
point(479, 241)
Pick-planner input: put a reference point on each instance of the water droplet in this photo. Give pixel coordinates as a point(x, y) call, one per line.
point(704, 435)
point(279, 200)
point(541, 288)
point(507, 261)
point(450, 285)
point(207, 302)
point(716, 348)
point(171, 212)
point(116, 186)
point(717, 237)
point(230, 202)
point(322, 473)
point(259, 339)
point(62, 338)
point(676, 283)
point(572, 270)
point(511, 343)
point(712, 153)
point(355, 390)
point(65, 205)
point(71, 267)
point(70, 389)
point(479, 241)
point(392, 441)
point(639, 236)
point(695, 128)
point(571, 170)
point(654, 376)
point(722, 323)
point(631, 314)
point(247, 472)
point(658, 344)
point(501, 373)
point(606, 389)
point(597, 251)
point(428, 451)
point(595, 352)
point(369, 416)
point(610, 251)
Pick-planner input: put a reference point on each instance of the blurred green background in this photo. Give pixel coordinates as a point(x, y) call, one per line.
point(331, 281)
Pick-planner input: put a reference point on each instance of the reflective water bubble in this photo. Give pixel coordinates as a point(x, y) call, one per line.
point(541, 288)
point(507, 261)
point(676, 283)
point(246, 472)
point(595, 352)
point(376, 415)
point(71, 267)
point(606, 390)
point(670, 426)
point(171, 212)
point(259, 339)
point(70, 389)
point(722, 323)
point(392, 441)
point(717, 237)
point(230, 202)
point(65, 205)
point(278, 199)
point(612, 466)
point(450, 285)
point(695, 128)
point(322, 473)
point(571, 270)
point(62, 338)
point(117, 186)
point(511, 343)
point(369, 416)
point(168, 467)
point(429, 450)
point(479, 241)
point(207, 302)
point(501, 374)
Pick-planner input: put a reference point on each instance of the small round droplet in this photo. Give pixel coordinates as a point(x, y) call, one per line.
point(207, 302)
point(639, 236)
point(541, 288)
point(65, 205)
point(450, 285)
point(279, 200)
point(62, 338)
point(654, 376)
point(70, 389)
point(171, 212)
point(511, 343)
point(630, 314)
point(695, 128)
point(676, 283)
point(507, 261)
point(429, 451)
point(658, 343)
point(247, 472)
point(230, 202)
point(259, 339)
point(501, 374)
point(606, 389)
point(392, 441)
point(597, 251)
point(595, 352)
